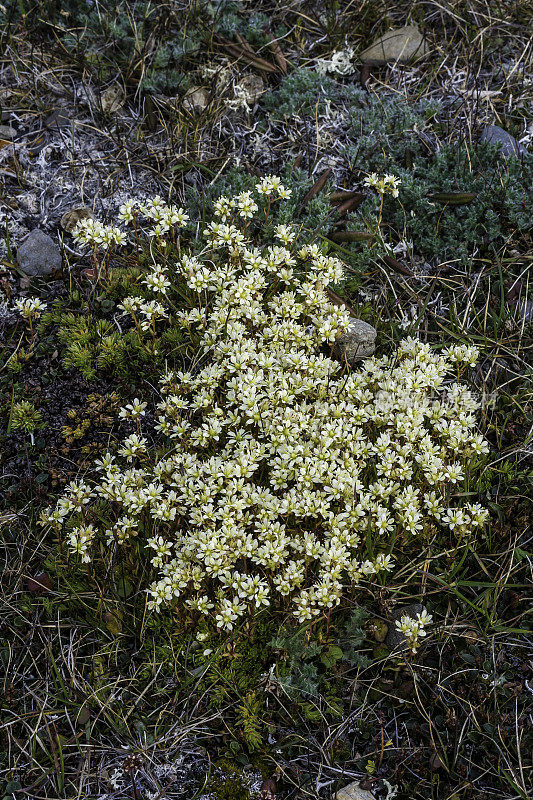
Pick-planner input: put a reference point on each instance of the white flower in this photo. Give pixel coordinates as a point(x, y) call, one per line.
point(372, 180)
point(133, 410)
point(80, 539)
point(387, 185)
point(130, 305)
point(133, 446)
point(91, 231)
point(284, 193)
point(264, 186)
point(128, 211)
point(157, 281)
point(284, 233)
point(151, 311)
point(246, 205)
point(270, 184)
point(178, 217)
point(223, 207)
point(462, 353)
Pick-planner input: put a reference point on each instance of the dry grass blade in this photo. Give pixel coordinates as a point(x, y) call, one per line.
point(248, 55)
point(246, 46)
point(453, 198)
point(352, 204)
point(341, 197)
point(297, 161)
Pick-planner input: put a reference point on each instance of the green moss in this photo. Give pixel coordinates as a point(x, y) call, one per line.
point(227, 783)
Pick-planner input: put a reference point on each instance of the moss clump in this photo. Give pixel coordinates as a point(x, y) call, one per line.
point(228, 783)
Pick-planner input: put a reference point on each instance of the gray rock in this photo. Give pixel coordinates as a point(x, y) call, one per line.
point(395, 640)
point(7, 132)
point(398, 46)
point(38, 254)
point(359, 341)
point(496, 135)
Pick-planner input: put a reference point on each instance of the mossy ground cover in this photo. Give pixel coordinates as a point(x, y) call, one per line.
point(89, 677)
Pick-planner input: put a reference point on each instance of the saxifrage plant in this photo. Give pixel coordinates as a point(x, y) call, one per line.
point(282, 478)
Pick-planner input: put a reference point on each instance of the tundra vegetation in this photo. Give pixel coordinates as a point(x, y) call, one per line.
point(238, 563)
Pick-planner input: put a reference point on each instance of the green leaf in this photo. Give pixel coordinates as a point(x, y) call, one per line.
point(331, 656)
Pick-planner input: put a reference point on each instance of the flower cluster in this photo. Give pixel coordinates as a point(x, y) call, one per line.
point(271, 184)
point(145, 312)
point(283, 479)
point(91, 231)
point(162, 215)
point(30, 307)
point(387, 185)
point(413, 628)
point(133, 410)
point(244, 205)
